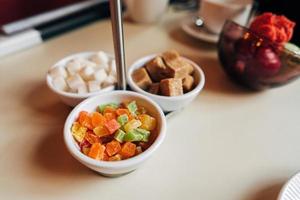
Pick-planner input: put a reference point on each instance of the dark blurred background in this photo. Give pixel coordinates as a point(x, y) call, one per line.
point(289, 8)
point(29, 22)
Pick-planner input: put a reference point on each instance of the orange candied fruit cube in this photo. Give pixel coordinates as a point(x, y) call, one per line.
point(105, 157)
point(97, 151)
point(122, 111)
point(91, 137)
point(112, 126)
point(128, 150)
point(116, 157)
point(98, 119)
point(109, 109)
point(101, 131)
point(109, 116)
point(85, 120)
point(113, 148)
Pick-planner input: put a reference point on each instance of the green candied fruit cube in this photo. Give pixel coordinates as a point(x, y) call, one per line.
point(119, 136)
point(132, 107)
point(103, 106)
point(133, 136)
point(145, 134)
point(122, 119)
point(132, 124)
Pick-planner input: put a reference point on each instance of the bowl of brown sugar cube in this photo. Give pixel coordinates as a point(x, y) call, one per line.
point(171, 80)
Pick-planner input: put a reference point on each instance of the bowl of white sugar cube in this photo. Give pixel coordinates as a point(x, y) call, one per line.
point(82, 75)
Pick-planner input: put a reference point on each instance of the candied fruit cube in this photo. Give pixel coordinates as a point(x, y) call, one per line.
point(123, 119)
point(97, 151)
point(148, 122)
point(98, 119)
point(103, 106)
point(119, 136)
point(101, 131)
point(91, 137)
point(132, 107)
point(85, 150)
point(78, 131)
point(132, 124)
point(113, 148)
point(112, 126)
point(128, 150)
point(85, 120)
point(138, 150)
point(116, 157)
point(133, 136)
point(110, 116)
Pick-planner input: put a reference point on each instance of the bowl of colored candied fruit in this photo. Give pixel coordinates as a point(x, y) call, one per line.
point(113, 133)
point(261, 56)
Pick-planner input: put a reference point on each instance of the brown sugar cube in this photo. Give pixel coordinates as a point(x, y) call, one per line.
point(171, 55)
point(141, 78)
point(171, 87)
point(188, 66)
point(176, 66)
point(187, 83)
point(154, 88)
point(156, 68)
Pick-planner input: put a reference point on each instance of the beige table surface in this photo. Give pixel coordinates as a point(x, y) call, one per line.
point(229, 144)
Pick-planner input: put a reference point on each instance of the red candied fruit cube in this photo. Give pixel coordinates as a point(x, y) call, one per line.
point(112, 126)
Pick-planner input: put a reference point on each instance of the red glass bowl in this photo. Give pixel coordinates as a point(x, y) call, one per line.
point(253, 61)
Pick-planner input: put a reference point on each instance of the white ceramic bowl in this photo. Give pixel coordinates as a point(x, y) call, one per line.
point(168, 103)
point(69, 98)
point(291, 190)
point(115, 168)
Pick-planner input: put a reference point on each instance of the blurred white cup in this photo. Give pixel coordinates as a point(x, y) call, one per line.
point(146, 11)
point(214, 13)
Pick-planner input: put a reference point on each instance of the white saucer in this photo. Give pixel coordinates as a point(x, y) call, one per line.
point(291, 190)
point(201, 33)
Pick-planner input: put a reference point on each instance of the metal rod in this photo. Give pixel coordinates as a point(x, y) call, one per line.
point(118, 37)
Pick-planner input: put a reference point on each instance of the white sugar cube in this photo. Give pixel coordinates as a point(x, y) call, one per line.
point(82, 89)
point(100, 58)
point(60, 83)
point(74, 82)
point(93, 86)
point(87, 73)
point(100, 75)
point(113, 68)
point(73, 67)
point(58, 71)
point(110, 80)
point(79, 59)
point(87, 63)
point(104, 66)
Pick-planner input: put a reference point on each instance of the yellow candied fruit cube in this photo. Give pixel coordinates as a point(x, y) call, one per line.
point(85, 150)
point(78, 131)
point(132, 124)
point(116, 157)
point(101, 131)
point(148, 122)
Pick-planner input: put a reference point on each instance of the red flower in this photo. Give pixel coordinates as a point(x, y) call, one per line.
point(276, 28)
